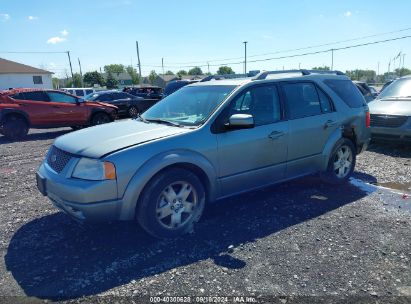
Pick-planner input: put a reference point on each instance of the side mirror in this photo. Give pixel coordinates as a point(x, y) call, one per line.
point(240, 121)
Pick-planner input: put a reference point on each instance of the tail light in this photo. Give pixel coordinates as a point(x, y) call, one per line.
point(367, 119)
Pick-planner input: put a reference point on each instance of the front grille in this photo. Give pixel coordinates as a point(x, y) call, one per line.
point(57, 159)
point(387, 121)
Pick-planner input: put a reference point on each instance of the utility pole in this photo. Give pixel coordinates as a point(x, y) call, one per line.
point(332, 59)
point(208, 67)
point(162, 64)
point(245, 57)
point(71, 69)
point(378, 70)
point(299, 65)
point(138, 59)
point(81, 73)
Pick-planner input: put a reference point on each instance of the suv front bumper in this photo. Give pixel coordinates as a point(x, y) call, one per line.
point(80, 199)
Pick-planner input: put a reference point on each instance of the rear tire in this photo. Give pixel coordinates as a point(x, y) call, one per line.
point(341, 163)
point(99, 119)
point(171, 203)
point(15, 127)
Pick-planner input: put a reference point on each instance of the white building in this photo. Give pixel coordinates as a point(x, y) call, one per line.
point(17, 75)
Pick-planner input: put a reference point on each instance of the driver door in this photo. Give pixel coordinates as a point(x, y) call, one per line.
point(67, 111)
point(254, 157)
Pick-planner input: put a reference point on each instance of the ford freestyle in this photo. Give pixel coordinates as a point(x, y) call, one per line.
point(207, 141)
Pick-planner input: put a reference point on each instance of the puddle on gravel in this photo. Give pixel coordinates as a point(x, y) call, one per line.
point(406, 187)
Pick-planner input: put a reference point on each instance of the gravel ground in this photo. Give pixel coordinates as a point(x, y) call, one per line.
point(301, 238)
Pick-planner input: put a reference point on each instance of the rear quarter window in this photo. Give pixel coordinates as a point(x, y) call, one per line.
point(347, 91)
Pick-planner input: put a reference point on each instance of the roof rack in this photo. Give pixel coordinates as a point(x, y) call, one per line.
point(225, 76)
point(263, 75)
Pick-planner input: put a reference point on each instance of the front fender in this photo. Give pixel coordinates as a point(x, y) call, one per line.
point(155, 165)
point(326, 154)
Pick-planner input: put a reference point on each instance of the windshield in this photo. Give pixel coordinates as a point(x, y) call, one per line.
point(189, 106)
point(399, 88)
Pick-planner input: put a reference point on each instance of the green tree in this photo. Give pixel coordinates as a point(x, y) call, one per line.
point(93, 78)
point(56, 82)
point(223, 70)
point(323, 68)
point(135, 78)
point(111, 82)
point(114, 68)
point(152, 76)
point(169, 73)
point(181, 73)
point(402, 72)
point(75, 81)
point(362, 75)
point(195, 71)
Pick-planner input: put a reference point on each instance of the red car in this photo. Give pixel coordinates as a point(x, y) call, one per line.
point(22, 109)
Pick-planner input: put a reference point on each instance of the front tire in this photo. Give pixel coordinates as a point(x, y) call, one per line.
point(99, 119)
point(171, 203)
point(15, 127)
point(341, 163)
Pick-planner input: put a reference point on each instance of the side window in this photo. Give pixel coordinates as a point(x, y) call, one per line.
point(302, 99)
point(104, 97)
point(19, 96)
point(61, 97)
point(326, 104)
point(79, 93)
point(122, 96)
point(36, 96)
point(262, 102)
point(37, 80)
point(347, 91)
point(89, 92)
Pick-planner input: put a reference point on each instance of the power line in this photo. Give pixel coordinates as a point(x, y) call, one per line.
point(293, 50)
point(39, 52)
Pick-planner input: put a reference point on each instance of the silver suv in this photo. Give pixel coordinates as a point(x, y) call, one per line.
point(205, 142)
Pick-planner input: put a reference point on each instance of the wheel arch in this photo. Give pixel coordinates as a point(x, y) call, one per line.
point(188, 160)
point(95, 111)
point(7, 112)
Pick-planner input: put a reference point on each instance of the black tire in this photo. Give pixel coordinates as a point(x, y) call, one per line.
point(133, 111)
point(99, 119)
point(338, 173)
point(152, 200)
point(15, 127)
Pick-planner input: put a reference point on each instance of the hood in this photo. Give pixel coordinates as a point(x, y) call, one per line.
point(391, 107)
point(100, 140)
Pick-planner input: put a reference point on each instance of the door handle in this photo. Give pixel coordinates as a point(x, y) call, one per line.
point(276, 135)
point(329, 123)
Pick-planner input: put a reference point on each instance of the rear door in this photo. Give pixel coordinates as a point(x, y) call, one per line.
point(36, 105)
point(66, 110)
point(312, 121)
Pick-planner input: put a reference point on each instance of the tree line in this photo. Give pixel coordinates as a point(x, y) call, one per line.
point(95, 78)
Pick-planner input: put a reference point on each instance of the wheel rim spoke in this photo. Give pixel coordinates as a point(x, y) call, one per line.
point(164, 211)
point(175, 219)
point(184, 192)
point(169, 194)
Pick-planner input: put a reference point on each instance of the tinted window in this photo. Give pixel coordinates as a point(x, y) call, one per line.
point(18, 96)
point(36, 95)
point(173, 86)
point(37, 80)
point(104, 97)
point(89, 92)
point(79, 92)
point(61, 97)
point(262, 102)
point(347, 91)
point(302, 99)
point(326, 104)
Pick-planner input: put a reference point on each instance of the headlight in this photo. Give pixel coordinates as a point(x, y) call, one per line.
point(94, 169)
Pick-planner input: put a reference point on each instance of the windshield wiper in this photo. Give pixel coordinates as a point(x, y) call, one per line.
point(141, 118)
point(163, 121)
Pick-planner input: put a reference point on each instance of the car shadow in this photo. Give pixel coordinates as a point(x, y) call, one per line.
point(36, 136)
point(393, 149)
point(56, 258)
